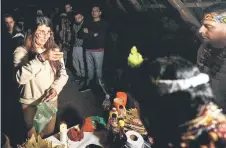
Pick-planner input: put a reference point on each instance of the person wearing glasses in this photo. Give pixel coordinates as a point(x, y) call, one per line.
point(40, 72)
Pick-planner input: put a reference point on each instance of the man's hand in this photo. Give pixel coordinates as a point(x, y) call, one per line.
point(52, 55)
point(85, 30)
point(49, 95)
point(95, 34)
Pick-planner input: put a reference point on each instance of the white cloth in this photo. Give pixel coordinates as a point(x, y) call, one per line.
point(18, 35)
point(183, 84)
point(89, 138)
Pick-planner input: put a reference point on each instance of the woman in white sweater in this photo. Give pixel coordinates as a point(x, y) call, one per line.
point(40, 72)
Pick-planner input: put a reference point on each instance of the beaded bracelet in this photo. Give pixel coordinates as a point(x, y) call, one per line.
point(40, 58)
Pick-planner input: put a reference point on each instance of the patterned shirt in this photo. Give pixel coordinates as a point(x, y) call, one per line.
point(78, 42)
point(212, 61)
point(64, 32)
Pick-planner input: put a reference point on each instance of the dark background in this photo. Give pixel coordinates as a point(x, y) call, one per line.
point(143, 29)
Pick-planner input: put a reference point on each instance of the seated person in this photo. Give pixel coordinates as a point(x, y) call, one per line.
point(177, 106)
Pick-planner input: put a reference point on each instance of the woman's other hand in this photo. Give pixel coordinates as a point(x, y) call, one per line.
point(50, 95)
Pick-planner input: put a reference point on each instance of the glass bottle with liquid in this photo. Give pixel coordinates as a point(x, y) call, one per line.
point(122, 112)
point(113, 111)
point(112, 131)
point(121, 136)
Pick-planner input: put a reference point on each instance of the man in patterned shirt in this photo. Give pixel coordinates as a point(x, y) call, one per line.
point(77, 55)
point(211, 57)
point(64, 35)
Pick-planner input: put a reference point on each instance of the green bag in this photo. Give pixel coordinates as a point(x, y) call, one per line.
point(98, 122)
point(44, 114)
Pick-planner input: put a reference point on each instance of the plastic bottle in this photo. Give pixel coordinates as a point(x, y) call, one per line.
point(114, 122)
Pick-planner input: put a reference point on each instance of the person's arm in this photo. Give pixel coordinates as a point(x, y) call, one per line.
point(69, 37)
point(101, 32)
point(82, 34)
point(25, 70)
point(74, 34)
point(60, 82)
point(199, 53)
point(56, 34)
point(57, 29)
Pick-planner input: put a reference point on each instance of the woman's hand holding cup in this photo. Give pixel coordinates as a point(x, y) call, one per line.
point(52, 55)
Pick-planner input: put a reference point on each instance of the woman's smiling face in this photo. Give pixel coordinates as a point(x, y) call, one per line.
point(42, 34)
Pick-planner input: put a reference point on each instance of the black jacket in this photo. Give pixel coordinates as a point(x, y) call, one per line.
point(17, 37)
point(95, 38)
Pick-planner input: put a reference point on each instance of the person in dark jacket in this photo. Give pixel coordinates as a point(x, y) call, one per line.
point(55, 17)
point(16, 33)
point(93, 35)
point(70, 12)
point(211, 57)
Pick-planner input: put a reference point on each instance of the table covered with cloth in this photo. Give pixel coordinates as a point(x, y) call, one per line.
point(96, 138)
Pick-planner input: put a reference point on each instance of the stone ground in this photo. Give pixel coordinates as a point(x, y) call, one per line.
point(74, 105)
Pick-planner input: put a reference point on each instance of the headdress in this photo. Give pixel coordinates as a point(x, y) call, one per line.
point(170, 86)
point(215, 18)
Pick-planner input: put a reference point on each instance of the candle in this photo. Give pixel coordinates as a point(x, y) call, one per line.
point(63, 132)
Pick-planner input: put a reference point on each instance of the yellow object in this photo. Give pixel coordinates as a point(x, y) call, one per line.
point(135, 59)
point(63, 127)
point(39, 143)
point(121, 123)
point(213, 136)
point(209, 120)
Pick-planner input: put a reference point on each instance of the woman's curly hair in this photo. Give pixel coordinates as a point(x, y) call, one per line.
point(50, 44)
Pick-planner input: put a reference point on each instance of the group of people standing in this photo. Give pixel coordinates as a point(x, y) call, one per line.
point(170, 91)
point(86, 39)
point(40, 55)
point(77, 37)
